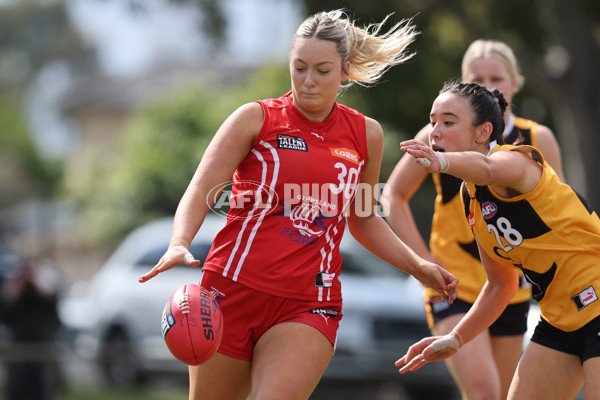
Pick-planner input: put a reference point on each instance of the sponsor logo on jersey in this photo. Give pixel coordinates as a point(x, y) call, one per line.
point(290, 142)
point(322, 311)
point(471, 220)
point(584, 298)
point(319, 136)
point(324, 279)
point(488, 209)
point(346, 154)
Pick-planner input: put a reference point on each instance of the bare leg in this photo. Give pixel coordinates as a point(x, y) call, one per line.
point(547, 374)
point(220, 378)
point(591, 373)
point(289, 360)
point(473, 367)
point(507, 352)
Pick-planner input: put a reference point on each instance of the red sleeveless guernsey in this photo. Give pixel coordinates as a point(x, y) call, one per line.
point(287, 203)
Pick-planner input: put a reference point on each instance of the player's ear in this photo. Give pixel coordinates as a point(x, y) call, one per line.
point(345, 71)
point(483, 133)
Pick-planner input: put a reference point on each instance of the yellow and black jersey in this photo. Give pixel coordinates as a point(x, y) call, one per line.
point(551, 234)
point(451, 239)
point(522, 131)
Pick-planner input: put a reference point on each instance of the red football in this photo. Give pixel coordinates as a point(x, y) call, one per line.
point(192, 324)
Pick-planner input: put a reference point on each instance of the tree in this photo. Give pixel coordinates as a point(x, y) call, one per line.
point(159, 152)
point(33, 35)
point(23, 173)
point(556, 42)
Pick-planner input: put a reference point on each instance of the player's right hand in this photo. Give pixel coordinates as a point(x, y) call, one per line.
point(174, 255)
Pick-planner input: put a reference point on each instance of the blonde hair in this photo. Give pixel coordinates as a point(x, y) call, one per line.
point(369, 53)
point(492, 49)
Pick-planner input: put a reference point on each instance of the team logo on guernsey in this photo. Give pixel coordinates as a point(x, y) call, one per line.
point(584, 298)
point(303, 217)
point(346, 154)
point(488, 209)
point(290, 142)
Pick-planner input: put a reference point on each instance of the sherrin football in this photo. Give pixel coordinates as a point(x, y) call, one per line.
point(192, 324)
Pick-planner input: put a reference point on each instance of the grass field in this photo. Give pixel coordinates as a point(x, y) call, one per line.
point(124, 394)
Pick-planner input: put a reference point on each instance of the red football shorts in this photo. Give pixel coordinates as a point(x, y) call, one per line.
point(248, 314)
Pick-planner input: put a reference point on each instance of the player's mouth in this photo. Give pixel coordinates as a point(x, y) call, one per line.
point(309, 95)
point(437, 148)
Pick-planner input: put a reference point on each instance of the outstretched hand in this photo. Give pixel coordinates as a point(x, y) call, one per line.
point(424, 155)
point(430, 349)
point(173, 256)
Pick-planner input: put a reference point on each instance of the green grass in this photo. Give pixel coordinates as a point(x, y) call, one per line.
point(176, 393)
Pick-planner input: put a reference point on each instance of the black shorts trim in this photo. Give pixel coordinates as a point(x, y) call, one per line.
point(583, 342)
point(512, 321)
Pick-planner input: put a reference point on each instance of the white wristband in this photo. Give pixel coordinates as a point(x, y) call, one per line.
point(444, 164)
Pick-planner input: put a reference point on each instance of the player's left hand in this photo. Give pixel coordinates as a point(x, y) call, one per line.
point(430, 349)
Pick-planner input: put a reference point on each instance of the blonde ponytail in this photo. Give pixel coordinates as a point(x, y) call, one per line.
point(372, 53)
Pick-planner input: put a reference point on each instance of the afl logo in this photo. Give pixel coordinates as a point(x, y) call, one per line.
point(488, 209)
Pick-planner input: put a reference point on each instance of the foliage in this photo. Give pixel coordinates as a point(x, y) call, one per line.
point(159, 152)
point(23, 174)
point(556, 42)
point(165, 140)
point(32, 35)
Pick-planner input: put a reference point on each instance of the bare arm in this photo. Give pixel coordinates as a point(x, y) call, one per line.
point(404, 181)
point(502, 284)
point(548, 146)
point(500, 287)
point(376, 236)
point(228, 148)
point(506, 172)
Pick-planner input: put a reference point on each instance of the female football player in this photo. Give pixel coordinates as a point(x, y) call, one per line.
point(297, 164)
point(524, 219)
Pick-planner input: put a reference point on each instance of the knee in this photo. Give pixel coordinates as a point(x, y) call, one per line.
point(482, 390)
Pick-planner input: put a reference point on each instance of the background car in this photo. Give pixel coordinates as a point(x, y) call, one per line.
point(117, 321)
